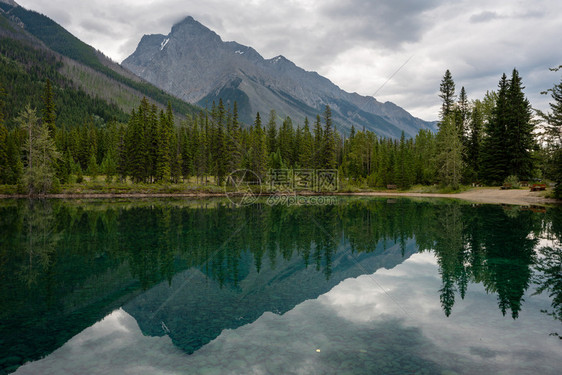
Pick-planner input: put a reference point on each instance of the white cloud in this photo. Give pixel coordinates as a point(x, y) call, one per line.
point(357, 44)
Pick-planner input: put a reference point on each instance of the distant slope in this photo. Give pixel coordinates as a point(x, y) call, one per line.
point(193, 63)
point(83, 66)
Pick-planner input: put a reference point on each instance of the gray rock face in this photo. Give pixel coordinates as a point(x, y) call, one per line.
point(194, 64)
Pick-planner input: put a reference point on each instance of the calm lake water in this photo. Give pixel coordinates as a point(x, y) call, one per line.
point(366, 286)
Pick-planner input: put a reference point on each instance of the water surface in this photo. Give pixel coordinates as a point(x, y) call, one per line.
point(201, 287)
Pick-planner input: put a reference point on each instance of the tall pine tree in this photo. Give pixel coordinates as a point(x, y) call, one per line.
point(494, 155)
point(520, 138)
point(49, 114)
point(447, 94)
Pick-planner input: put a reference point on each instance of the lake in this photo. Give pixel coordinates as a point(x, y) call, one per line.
point(355, 286)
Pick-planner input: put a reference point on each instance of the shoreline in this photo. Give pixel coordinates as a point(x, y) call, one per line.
point(517, 197)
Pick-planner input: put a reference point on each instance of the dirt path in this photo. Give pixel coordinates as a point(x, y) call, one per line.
point(522, 197)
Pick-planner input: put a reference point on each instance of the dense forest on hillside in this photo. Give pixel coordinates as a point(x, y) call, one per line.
point(58, 39)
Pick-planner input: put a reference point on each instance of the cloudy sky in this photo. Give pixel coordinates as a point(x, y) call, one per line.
point(358, 44)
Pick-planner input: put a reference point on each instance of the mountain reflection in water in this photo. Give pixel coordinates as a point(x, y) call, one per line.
point(192, 269)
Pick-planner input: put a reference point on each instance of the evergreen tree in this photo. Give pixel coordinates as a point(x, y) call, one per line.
point(285, 141)
point(553, 133)
point(109, 166)
point(423, 156)
point(136, 144)
point(163, 172)
point(259, 148)
point(447, 89)
point(41, 153)
point(403, 167)
point(494, 155)
point(318, 144)
point(328, 142)
point(297, 144)
point(219, 143)
point(449, 153)
point(122, 153)
point(49, 114)
point(175, 146)
point(475, 127)
point(92, 169)
point(14, 160)
point(307, 147)
point(4, 160)
point(520, 138)
point(462, 114)
point(235, 147)
point(272, 132)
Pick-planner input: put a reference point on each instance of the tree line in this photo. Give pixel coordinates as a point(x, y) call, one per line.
point(483, 141)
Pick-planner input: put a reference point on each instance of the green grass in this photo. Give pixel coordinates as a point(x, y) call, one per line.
point(437, 189)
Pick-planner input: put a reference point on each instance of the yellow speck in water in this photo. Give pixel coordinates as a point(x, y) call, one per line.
point(317, 350)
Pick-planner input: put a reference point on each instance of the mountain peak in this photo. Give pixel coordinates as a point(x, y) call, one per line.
point(190, 26)
point(194, 63)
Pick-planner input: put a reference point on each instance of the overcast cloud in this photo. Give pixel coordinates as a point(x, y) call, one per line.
point(357, 44)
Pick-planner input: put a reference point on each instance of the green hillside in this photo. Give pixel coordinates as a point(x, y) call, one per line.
point(84, 72)
point(23, 73)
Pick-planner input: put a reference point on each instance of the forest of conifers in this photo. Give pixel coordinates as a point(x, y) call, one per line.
point(484, 141)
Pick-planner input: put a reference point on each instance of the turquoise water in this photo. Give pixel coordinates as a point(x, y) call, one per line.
point(365, 286)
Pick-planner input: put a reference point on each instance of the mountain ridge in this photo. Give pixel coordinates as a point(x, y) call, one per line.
point(193, 63)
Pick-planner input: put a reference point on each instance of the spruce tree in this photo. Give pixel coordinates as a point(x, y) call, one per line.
point(15, 172)
point(258, 157)
point(42, 154)
point(307, 147)
point(473, 150)
point(553, 128)
point(49, 114)
point(175, 146)
point(449, 153)
point(520, 138)
point(234, 148)
point(136, 144)
point(318, 144)
point(162, 163)
point(122, 153)
point(285, 141)
point(494, 154)
point(4, 160)
point(272, 132)
point(403, 167)
point(92, 169)
point(328, 141)
point(220, 147)
point(447, 89)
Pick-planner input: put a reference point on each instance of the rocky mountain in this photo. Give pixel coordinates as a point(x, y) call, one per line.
point(193, 63)
point(195, 309)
